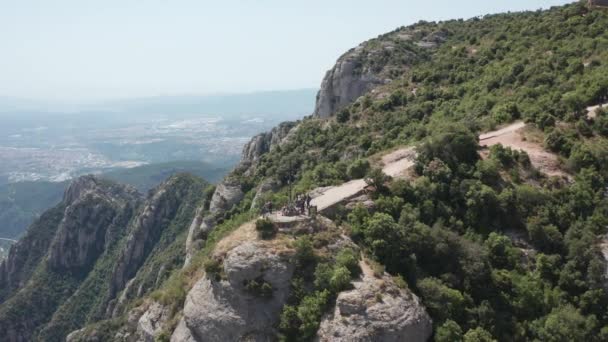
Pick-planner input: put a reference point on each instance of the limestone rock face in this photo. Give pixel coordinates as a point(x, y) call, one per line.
point(226, 195)
point(94, 210)
point(266, 186)
point(182, 333)
point(344, 83)
point(145, 232)
point(151, 323)
point(225, 310)
point(376, 310)
point(265, 142)
point(372, 64)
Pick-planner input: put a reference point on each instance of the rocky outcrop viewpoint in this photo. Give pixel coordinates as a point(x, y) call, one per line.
point(376, 310)
point(227, 309)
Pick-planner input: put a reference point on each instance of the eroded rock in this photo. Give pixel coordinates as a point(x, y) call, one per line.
point(226, 310)
point(376, 310)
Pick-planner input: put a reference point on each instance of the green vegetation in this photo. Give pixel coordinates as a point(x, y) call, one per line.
point(300, 319)
point(52, 292)
point(450, 231)
point(258, 287)
point(265, 228)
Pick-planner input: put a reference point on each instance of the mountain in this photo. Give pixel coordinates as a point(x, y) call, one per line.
point(22, 202)
point(458, 172)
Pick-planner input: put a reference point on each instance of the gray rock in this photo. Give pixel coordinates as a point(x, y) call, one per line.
point(94, 209)
point(152, 322)
point(376, 310)
point(226, 195)
point(225, 311)
point(266, 186)
point(144, 232)
point(345, 83)
point(182, 333)
point(265, 142)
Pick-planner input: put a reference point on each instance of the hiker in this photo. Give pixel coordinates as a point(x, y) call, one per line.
point(308, 199)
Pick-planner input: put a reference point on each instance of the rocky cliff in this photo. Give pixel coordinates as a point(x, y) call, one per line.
point(95, 209)
point(371, 64)
point(100, 237)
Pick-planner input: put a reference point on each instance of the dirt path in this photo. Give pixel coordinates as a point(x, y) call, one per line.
point(511, 136)
point(512, 128)
point(396, 164)
point(591, 111)
point(336, 194)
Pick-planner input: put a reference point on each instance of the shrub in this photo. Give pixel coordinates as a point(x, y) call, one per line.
point(214, 268)
point(349, 259)
point(449, 331)
point(305, 253)
point(340, 279)
point(343, 115)
point(358, 169)
point(310, 311)
point(478, 334)
point(265, 228)
point(323, 274)
point(258, 287)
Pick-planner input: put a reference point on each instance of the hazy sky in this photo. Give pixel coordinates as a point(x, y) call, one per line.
point(79, 49)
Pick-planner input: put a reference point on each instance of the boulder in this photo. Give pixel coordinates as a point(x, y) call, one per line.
point(227, 309)
point(376, 310)
point(226, 195)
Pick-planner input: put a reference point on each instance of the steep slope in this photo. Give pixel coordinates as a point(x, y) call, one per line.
point(104, 236)
point(374, 63)
point(480, 240)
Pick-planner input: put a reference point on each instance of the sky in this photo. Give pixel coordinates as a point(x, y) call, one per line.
point(82, 50)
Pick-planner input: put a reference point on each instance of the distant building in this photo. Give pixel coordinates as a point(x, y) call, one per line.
point(603, 3)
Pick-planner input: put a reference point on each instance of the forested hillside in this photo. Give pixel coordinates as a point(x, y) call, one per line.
point(492, 247)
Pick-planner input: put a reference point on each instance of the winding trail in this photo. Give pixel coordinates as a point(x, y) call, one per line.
point(592, 110)
point(397, 163)
point(510, 136)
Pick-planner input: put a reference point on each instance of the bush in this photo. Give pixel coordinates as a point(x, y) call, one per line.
point(347, 258)
point(358, 169)
point(323, 274)
point(478, 334)
point(214, 268)
point(265, 228)
point(343, 115)
point(449, 331)
point(258, 287)
point(310, 312)
point(340, 279)
point(305, 253)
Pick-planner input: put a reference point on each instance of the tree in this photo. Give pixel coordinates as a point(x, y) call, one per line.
point(478, 334)
point(358, 169)
point(567, 324)
point(449, 331)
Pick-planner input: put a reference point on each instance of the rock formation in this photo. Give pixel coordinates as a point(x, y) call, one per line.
point(94, 210)
point(371, 64)
point(225, 310)
point(376, 310)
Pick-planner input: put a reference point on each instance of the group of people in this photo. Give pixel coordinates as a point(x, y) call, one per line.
point(302, 203)
point(300, 206)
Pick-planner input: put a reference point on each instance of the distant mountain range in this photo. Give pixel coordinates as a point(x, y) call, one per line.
point(22, 202)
